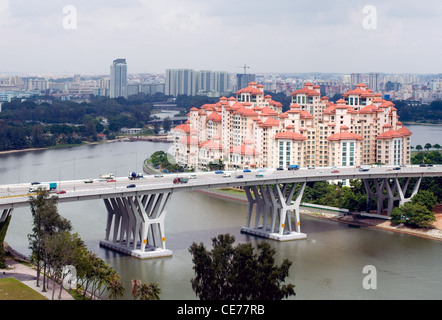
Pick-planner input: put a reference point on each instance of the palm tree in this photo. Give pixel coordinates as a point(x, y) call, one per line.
point(115, 287)
point(145, 291)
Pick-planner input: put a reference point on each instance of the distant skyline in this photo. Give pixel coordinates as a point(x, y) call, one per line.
point(279, 36)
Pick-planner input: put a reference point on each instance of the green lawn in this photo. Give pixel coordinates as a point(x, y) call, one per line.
point(12, 289)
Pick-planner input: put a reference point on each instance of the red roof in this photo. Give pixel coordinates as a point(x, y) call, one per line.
point(250, 90)
point(185, 128)
point(290, 136)
point(188, 140)
point(346, 135)
point(389, 134)
point(244, 150)
point(215, 117)
point(271, 122)
point(211, 145)
point(307, 91)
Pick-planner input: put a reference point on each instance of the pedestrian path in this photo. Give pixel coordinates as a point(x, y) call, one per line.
point(27, 276)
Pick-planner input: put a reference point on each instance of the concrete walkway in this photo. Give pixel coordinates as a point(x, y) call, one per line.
point(28, 276)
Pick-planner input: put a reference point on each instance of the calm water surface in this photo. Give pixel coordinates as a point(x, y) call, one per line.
point(327, 265)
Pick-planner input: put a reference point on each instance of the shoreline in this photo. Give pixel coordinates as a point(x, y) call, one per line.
point(120, 139)
point(356, 220)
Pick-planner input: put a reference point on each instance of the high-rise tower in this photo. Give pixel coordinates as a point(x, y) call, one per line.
point(118, 79)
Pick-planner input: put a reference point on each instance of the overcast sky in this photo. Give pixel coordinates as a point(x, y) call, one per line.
point(221, 35)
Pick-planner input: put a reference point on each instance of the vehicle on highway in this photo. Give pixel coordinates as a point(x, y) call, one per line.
point(35, 187)
point(219, 172)
point(259, 176)
point(192, 176)
point(226, 174)
point(247, 170)
point(111, 180)
point(158, 175)
point(293, 167)
point(280, 168)
point(107, 176)
point(35, 182)
point(335, 171)
point(239, 176)
point(364, 168)
point(396, 168)
point(134, 176)
point(61, 192)
point(88, 181)
point(180, 180)
point(310, 167)
point(130, 186)
point(422, 165)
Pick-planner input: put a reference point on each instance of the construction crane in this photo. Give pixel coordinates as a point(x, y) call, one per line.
point(245, 68)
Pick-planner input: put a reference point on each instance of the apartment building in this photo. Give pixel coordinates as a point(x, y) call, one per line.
point(251, 130)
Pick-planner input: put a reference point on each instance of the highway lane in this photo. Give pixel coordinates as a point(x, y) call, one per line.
point(203, 180)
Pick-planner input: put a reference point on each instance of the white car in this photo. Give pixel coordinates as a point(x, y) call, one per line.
point(226, 174)
point(158, 175)
point(88, 181)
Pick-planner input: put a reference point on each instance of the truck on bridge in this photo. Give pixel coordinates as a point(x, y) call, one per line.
point(180, 180)
point(107, 176)
point(134, 175)
point(42, 186)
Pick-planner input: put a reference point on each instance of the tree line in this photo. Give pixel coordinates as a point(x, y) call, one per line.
point(431, 113)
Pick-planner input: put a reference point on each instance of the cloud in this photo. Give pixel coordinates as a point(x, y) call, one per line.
point(277, 35)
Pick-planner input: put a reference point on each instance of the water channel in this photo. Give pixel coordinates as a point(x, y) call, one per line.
point(327, 265)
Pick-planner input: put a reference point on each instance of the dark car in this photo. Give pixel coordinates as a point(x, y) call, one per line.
point(35, 182)
point(396, 168)
point(422, 165)
point(130, 186)
point(279, 168)
point(240, 176)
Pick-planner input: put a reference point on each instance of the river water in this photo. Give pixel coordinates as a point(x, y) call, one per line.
point(327, 265)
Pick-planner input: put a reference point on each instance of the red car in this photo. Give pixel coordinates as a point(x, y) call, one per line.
point(335, 171)
point(61, 192)
point(111, 180)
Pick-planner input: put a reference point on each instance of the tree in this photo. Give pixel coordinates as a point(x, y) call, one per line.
point(3, 228)
point(413, 215)
point(145, 291)
point(425, 198)
point(46, 221)
point(428, 146)
point(436, 146)
point(419, 147)
point(238, 273)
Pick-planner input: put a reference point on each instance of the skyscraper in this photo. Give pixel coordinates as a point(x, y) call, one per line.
point(118, 79)
point(180, 81)
point(243, 80)
point(355, 79)
point(374, 81)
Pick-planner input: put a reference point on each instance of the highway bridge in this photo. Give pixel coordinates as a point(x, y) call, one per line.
point(137, 208)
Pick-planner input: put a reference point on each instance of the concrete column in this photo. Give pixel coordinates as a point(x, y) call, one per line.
point(138, 225)
point(274, 204)
point(395, 193)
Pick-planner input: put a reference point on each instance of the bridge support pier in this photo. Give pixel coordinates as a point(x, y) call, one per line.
point(5, 214)
point(135, 225)
point(388, 193)
point(273, 206)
